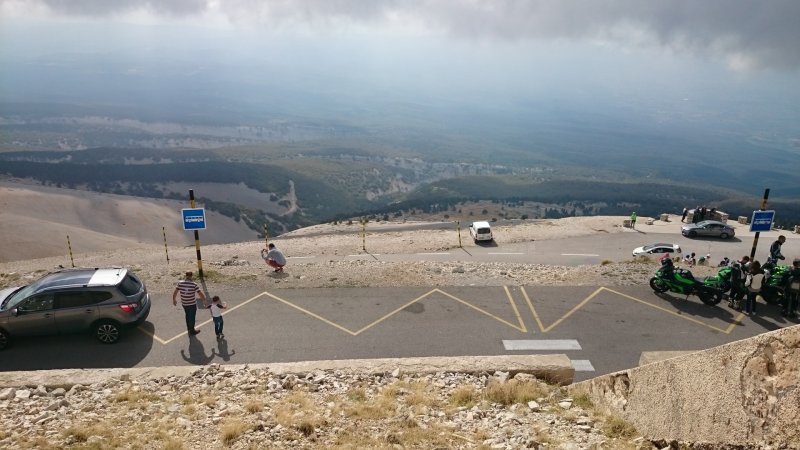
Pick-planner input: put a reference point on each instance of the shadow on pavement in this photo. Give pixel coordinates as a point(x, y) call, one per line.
point(693, 306)
point(197, 353)
point(69, 351)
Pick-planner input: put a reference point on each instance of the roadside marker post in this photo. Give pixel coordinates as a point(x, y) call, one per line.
point(758, 233)
point(458, 227)
point(69, 246)
point(364, 234)
point(166, 251)
point(266, 236)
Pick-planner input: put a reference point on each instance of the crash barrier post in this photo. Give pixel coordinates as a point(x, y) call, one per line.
point(196, 239)
point(166, 251)
point(69, 246)
point(266, 236)
point(458, 227)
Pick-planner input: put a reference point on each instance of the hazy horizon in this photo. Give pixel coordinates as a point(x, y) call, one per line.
point(704, 74)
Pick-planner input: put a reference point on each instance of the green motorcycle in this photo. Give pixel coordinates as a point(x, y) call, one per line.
point(681, 281)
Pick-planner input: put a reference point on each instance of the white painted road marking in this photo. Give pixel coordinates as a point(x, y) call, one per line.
point(542, 344)
point(491, 253)
point(582, 365)
point(579, 254)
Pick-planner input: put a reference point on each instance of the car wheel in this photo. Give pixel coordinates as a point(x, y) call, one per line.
point(107, 331)
point(692, 234)
point(724, 236)
point(5, 339)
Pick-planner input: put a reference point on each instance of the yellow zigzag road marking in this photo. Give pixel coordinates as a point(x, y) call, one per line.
point(519, 327)
point(225, 312)
point(600, 289)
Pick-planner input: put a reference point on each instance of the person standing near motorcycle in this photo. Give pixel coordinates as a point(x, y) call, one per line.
point(754, 281)
point(738, 290)
point(775, 250)
point(792, 290)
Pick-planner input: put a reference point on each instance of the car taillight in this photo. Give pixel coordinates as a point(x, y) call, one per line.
point(128, 307)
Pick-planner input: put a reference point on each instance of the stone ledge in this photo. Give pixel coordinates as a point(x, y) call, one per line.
point(651, 357)
point(555, 369)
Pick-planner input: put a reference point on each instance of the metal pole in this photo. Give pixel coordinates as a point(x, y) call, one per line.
point(196, 239)
point(758, 233)
point(266, 236)
point(69, 246)
point(458, 227)
point(166, 251)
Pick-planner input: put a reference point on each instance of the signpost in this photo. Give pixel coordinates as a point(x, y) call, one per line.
point(195, 219)
point(764, 219)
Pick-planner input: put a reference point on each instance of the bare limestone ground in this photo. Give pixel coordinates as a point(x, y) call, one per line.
point(240, 264)
point(219, 407)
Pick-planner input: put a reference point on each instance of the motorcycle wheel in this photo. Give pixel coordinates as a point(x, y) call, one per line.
point(770, 296)
point(710, 298)
point(658, 286)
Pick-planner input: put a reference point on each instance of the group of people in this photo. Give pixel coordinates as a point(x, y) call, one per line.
point(748, 277)
point(190, 291)
point(700, 214)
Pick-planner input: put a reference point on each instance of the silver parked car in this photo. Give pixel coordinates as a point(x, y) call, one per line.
point(102, 301)
point(708, 228)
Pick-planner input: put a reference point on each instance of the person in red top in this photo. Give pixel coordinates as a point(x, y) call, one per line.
point(189, 291)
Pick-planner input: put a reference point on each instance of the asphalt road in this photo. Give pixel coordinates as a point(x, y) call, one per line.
point(602, 329)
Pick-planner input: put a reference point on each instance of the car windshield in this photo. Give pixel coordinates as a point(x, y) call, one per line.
point(18, 295)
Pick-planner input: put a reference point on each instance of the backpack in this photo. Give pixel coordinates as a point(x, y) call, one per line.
point(754, 282)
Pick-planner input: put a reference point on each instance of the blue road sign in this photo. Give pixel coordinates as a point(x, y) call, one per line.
point(762, 220)
point(194, 218)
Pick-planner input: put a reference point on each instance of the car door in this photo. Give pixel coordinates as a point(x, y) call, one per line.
point(34, 316)
point(76, 310)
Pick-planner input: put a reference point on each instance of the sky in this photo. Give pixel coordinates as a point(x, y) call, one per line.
point(733, 62)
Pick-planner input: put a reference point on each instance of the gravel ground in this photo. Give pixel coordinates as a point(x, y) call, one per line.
point(217, 407)
point(240, 265)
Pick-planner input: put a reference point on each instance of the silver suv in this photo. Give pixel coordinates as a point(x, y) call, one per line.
point(102, 301)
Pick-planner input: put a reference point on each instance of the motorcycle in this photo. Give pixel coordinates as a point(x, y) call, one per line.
point(721, 281)
point(776, 276)
point(681, 281)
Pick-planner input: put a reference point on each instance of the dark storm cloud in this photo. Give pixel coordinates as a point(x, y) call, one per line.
point(752, 32)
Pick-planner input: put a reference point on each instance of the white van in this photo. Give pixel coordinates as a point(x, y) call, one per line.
point(480, 231)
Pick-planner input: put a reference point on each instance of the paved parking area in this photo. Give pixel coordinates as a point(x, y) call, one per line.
point(602, 329)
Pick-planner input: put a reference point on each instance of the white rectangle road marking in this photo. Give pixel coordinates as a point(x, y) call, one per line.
point(579, 254)
point(542, 344)
point(582, 365)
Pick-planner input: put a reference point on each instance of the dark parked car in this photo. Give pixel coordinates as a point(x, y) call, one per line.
point(708, 228)
point(102, 301)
